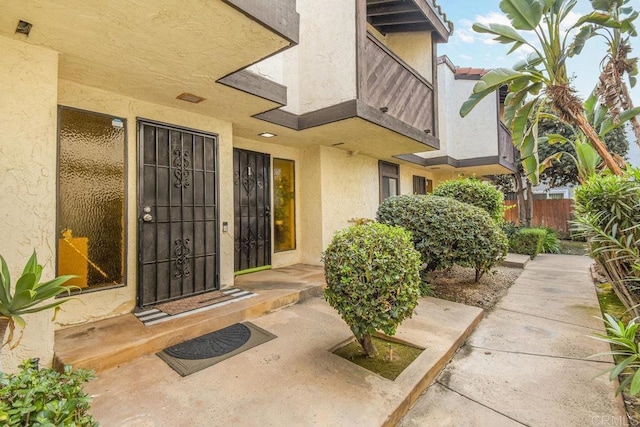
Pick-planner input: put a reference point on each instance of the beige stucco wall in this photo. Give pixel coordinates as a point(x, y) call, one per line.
point(28, 185)
point(117, 301)
point(311, 194)
point(278, 259)
point(415, 49)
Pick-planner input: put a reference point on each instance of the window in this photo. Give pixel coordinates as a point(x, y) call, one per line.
point(91, 198)
point(389, 179)
point(284, 205)
point(421, 185)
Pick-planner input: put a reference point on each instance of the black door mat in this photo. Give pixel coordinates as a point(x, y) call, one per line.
point(187, 306)
point(207, 350)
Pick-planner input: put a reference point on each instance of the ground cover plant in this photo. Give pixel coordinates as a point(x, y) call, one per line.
point(45, 397)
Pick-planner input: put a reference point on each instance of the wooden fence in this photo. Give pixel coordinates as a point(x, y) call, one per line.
point(553, 213)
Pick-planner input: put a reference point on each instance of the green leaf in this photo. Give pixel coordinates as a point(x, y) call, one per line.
point(598, 18)
point(580, 39)
point(605, 5)
point(635, 383)
point(532, 60)
point(523, 14)
point(611, 123)
point(521, 121)
point(554, 138)
point(504, 34)
point(30, 267)
point(617, 370)
point(489, 83)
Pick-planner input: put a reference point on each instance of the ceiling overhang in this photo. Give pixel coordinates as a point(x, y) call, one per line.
point(401, 16)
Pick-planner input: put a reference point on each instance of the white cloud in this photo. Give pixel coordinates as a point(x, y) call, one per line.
point(465, 57)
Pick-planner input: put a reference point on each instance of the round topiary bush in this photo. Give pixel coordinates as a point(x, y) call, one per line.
point(447, 232)
point(372, 274)
point(476, 193)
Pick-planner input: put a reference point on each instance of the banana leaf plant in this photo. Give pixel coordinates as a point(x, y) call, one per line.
point(540, 77)
point(613, 21)
point(587, 159)
point(28, 296)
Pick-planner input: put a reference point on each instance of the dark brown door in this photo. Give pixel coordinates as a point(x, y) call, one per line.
point(177, 213)
point(252, 218)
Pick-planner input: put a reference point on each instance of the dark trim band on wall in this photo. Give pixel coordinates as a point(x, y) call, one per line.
point(254, 84)
point(347, 110)
point(450, 161)
point(279, 16)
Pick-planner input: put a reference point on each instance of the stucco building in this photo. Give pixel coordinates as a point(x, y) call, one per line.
point(158, 148)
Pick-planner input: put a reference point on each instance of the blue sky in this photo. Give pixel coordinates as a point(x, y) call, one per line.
point(469, 49)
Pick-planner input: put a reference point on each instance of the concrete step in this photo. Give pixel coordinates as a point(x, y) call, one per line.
point(516, 260)
point(111, 342)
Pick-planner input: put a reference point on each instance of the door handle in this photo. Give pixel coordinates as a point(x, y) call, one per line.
point(147, 218)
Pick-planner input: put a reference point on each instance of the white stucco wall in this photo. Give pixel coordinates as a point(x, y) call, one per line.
point(415, 49)
point(117, 301)
point(475, 135)
point(279, 259)
point(28, 185)
point(321, 70)
point(311, 196)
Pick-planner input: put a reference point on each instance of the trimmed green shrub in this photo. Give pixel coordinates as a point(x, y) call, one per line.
point(45, 397)
point(447, 232)
point(528, 241)
point(476, 193)
point(373, 278)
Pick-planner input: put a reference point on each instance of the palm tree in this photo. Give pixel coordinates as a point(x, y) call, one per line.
point(541, 77)
point(613, 21)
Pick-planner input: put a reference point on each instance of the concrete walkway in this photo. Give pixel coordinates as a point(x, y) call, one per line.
point(526, 362)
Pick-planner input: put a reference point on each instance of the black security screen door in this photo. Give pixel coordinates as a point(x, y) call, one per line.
point(177, 213)
point(252, 212)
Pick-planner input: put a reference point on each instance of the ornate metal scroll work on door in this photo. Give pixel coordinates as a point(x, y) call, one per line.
point(181, 253)
point(250, 179)
point(182, 162)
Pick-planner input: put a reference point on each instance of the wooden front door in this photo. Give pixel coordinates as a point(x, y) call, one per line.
point(252, 211)
point(178, 236)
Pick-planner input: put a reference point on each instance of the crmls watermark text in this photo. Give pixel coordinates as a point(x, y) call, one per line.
point(608, 420)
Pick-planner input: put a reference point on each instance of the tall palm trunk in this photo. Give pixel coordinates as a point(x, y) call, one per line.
point(612, 89)
point(627, 104)
point(570, 110)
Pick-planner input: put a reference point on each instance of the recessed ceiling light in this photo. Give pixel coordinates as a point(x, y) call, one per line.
point(23, 27)
point(189, 97)
point(267, 134)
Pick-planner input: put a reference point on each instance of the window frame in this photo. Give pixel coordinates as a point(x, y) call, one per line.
point(295, 223)
point(382, 174)
point(125, 211)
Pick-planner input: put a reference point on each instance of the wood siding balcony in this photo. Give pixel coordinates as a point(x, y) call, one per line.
point(506, 150)
point(390, 85)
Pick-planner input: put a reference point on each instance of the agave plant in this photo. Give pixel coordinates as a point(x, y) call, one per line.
point(542, 76)
point(28, 295)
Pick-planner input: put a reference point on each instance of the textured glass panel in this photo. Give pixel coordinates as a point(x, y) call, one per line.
point(284, 202)
point(91, 198)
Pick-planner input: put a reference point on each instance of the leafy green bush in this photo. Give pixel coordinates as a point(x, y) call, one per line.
point(551, 241)
point(510, 228)
point(476, 193)
point(373, 279)
point(45, 397)
point(607, 212)
point(528, 241)
point(447, 232)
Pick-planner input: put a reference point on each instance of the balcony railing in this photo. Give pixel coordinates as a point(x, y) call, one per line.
point(395, 88)
point(506, 150)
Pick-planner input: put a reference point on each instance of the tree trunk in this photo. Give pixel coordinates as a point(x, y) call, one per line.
point(529, 204)
point(522, 209)
point(591, 134)
point(627, 104)
point(366, 343)
point(4, 324)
